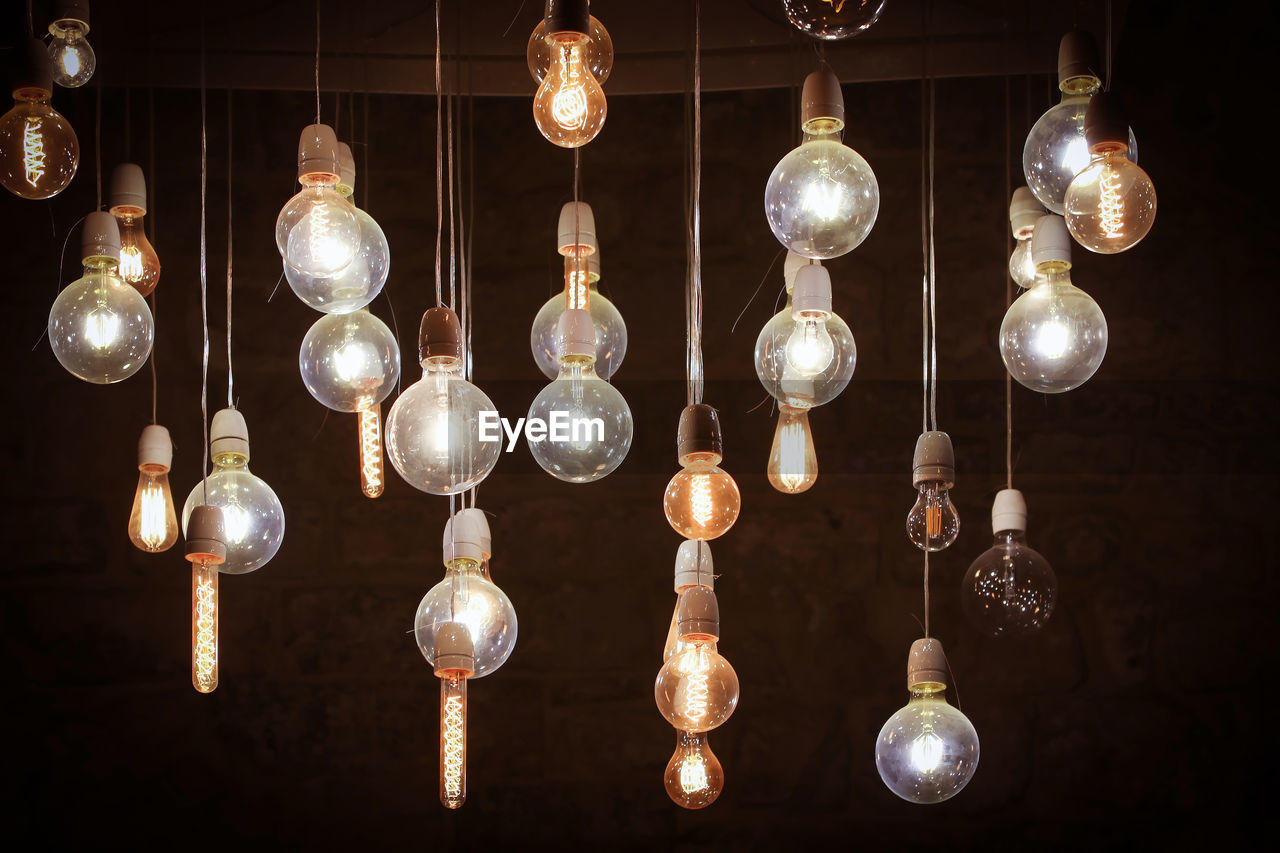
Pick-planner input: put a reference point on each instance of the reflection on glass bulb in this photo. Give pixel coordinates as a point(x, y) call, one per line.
point(928, 751)
point(702, 501)
point(357, 283)
point(370, 429)
point(599, 53)
point(1010, 589)
point(833, 19)
point(589, 424)
point(253, 519)
point(204, 626)
point(696, 690)
point(793, 461)
point(797, 385)
point(153, 521)
point(349, 362)
point(1110, 204)
point(822, 198)
point(100, 328)
point(466, 597)
point(1054, 336)
point(569, 107)
point(39, 151)
point(810, 348)
point(453, 739)
point(933, 523)
point(611, 334)
point(694, 776)
point(1022, 266)
point(317, 231)
point(73, 58)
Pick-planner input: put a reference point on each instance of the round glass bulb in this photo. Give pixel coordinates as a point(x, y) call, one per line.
point(785, 360)
point(611, 335)
point(100, 329)
point(697, 689)
point(318, 232)
point(833, 19)
point(1111, 205)
point(433, 436)
point(1056, 150)
point(1010, 589)
point(39, 151)
point(354, 286)
point(702, 501)
point(252, 516)
point(589, 426)
point(73, 58)
point(1053, 336)
point(465, 596)
point(822, 198)
point(694, 776)
point(599, 54)
point(928, 751)
point(1022, 266)
point(349, 362)
point(569, 106)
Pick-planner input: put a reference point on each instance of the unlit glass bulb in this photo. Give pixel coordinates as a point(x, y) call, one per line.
point(464, 596)
point(153, 520)
point(1054, 336)
point(833, 19)
point(599, 52)
point(793, 462)
point(702, 501)
point(1111, 203)
point(349, 362)
point(72, 56)
point(933, 523)
point(1010, 589)
point(569, 106)
point(697, 689)
point(100, 328)
point(317, 231)
point(694, 776)
point(928, 751)
point(353, 286)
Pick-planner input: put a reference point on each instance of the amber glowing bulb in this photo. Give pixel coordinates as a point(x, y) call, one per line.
point(206, 550)
point(793, 462)
point(933, 523)
point(139, 264)
point(39, 152)
point(153, 521)
point(694, 776)
point(697, 689)
point(702, 501)
point(454, 664)
point(569, 106)
point(372, 481)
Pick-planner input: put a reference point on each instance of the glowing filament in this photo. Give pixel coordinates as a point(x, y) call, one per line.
point(131, 264)
point(1111, 204)
point(700, 502)
point(576, 283)
point(204, 627)
point(824, 199)
point(101, 328)
point(1051, 339)
point(154, 528)
point(791, 447)
point(453, 728)
point(693, 774)
point(569, 104)
point(33, 150)
point(371, 482)
point(933, 518)
point(836, 5)
point(926, 752)
point(326, 249)
point(696, 692)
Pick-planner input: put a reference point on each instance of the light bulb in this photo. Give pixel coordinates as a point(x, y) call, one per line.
point(432, 440)
point(372, 481)
point(569, 106)
point(1054, 336)
point(205, 550)
point(928, 751)
point(453, 740)
point(833, 19)
point(933, 523)
point(1010, 589)
point(599, 53)
point(790, 378)
point(253, 519)
point(1022, 268)
point(139, 263)
point(153, 521)
point(1024, 212)
point(809, 347)
point(72, 57)
point(318, 232)
point(1111, 204)
point(355, 285)
point(694, 776)
point(697, 689)
point(349, 362)
point(39, 152)
point(702, 501)
point(580, 292)
point(793, 462)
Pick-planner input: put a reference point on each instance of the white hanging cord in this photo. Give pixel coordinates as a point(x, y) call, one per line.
point(204, 283)
point(97, 137)
point(439, 164)
point(1008, 284)
point(696, 367)
point(151, 221)
point(453, 242)
point(933, 271)
point(317, 61)
point(231, 400)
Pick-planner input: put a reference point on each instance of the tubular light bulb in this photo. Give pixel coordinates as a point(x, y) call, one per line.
point(205, 551)
point(610, 328)
point(72, 57)
point(1111, 203)
point(317, 231)
point(1010, 589)
point(793, 462)
point(833, 19)
point(454, 664)
point(153, 521)
point(697, 689)
point(933, 523)
point(599, 53)
point(39, 151)
point(569, 107)
point(372, 481)
point(694, 776)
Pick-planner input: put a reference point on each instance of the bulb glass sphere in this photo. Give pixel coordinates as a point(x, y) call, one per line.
point(833, 19)
point(697, 689)
point(928, 751)
point(39, 151)
point(100, 329)
point(1056, 150)
point(793, 462)
point(1022, 266)
point(933, 523)
point(252, 517)
point(1010, 589)
point(465, 596)
point(822, 198)
point(73, 58)
point(318, 232)
point(599, 53)
point(1111, 205)
point(792, 363)
point(702, 501)
point(153, 520)
point(694, 776)
point(349, 362)
point(139, 263)
point(611, 335)
point(1053, 336)
point(432, 433)
point(569, 106)
point(589, 426)
point(355, 285)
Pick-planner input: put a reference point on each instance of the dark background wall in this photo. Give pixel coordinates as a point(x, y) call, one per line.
point(1138, 714)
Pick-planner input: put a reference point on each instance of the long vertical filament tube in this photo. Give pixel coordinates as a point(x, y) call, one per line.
point(1111, 203)
point(204, 627)
point(371, 479)
point(453, 740)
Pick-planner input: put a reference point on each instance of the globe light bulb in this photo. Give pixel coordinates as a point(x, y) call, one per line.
point(822, 198)
point(928, 751)
point(1111, 203)
point(694, 567)
point(833, 19)
point(100, 328)
point(153, 521)
point(1024, 212)
point(39, 152)
point(589, 425)
point(206, 551)
point(805, 355)
point(72, 57)
point(599, 54)
point(793, 462)
point(317, 231)
point(139, 264)
point(454, 664)
point(697, 689)
point(694, 776)
point(701, 501)
point(1054, 336)
point(349, 362)
point(372, 480)
point(252, 517)
point(433, 439)
point(1010, 589)
point(466, 598)
point(569, 106)
point(933, 523)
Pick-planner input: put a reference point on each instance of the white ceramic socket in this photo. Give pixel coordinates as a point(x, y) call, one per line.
point(317, 150)
point(1009, 511)
point(128, 189)
point(1024, 211)
point(694, 566)
point(1051, 240)
point(228, 433)
point(576, 333)
point(577, 229)
point(155, 447)
point(463, 538)
point(812, 292)
point(100, 237)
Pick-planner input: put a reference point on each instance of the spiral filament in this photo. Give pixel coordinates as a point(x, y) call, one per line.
point(569, 104)
point(700, 502)
point(33, 150)
point(453, 740)
point(131, 264)
point(836, 5)
point(576, 282)
point(153, 530)
point(696, 692)
point(371, 481)
point(1111, 204)
point(693, 774)
point(204, 626)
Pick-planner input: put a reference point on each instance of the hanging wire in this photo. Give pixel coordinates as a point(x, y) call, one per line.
point(231, 400)
point(439, 164)
point(1107, 86)
point(151, 221)
point(317, 61)
point(696, 367)
point(1008, 281)
point(204, 284)
point(97, 137)
point(453, 243)
point(128, 124)
point(933, 270)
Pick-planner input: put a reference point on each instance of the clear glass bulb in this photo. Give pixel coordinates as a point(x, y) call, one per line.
point(793, 461)
point(702, 501)
point(204, 626)
point(372, 481)
point(355, 285)
point(432, 436)
point(788, 375)
point(697, 689)
point(1022, 266)
point(318, 232)
point(569, 106)
point(153, 520)
point(73, 59)
point(1111, 204)
point(611, 335)
point(809, 347)
point(100, 328)
point(39, 152)
point(822, 198)
point(694, 776)
point(928, 751)
point(589, 426)
point(139, 263)
point(933, 523)
point(833, 19)
point(1053, 336)
point(599, 53)
point(253, 519)
point(453, 739)
point(349, 362)
point(465, 596)
point(1010, 589)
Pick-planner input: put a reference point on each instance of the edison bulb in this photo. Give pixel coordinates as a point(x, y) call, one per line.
point(793, 462)
point(697, 689)
point(822, 198)
point(1110, 204)
point(1053, 336)
point(100, 328)
point(611, 335)
point(464, 596)
point(1022, 267)
point(589, 425)
point(355, 285)
point(73, 57)
point(928, 751)
point(833, 19)
point(702, 501)
point(1056, 150)
point(599, 52)
point(349, 362)
point(933, 523)
point(569, 106)
point(317, 231)
point(39, 152)
point(139, 263)
point(694, 776)
point(803, 376)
